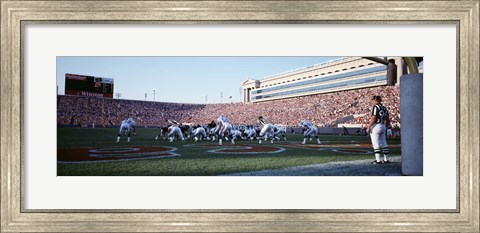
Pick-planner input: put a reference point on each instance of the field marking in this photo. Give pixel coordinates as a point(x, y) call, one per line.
point(134, 156)
point(340, 148)
point(323, 146)
point(354, 151)
point(354, 148)
point(245, 149)
point(153, 153)
point(224, 150)
point(116, 149)
point(119, 160)
point(362, 167)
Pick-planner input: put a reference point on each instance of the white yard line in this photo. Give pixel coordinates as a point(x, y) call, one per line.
point(348, 168)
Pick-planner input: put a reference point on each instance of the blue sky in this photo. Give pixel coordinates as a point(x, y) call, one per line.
point(180, 79)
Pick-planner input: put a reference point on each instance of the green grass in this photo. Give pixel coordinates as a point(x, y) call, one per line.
point(197, 161)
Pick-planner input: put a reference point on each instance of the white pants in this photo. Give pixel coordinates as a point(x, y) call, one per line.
point(177, 131)
point(267, 130)
point(252, 133)
point(313, 131)
point(377, 134)
point(214, 130)
point(199, 131)
point(227, 127)
point(125, 127)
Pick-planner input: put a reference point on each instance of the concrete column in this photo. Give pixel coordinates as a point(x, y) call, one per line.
point(411, 110)
point(244, 96)
point(399, 62)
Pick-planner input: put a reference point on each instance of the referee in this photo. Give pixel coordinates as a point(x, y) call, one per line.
point(377, 129)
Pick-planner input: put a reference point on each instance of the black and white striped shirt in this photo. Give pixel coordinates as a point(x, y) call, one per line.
point(263, 121)
point(380, 112)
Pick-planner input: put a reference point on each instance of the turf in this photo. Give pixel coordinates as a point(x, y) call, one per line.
point(197, 161)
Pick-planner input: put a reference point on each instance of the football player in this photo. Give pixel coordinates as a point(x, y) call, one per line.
point(199, 131)
point(174, 129)
point(127, 126)
point(163, 130)
point(310, 130)
point(224, 126)
point(267, 130)
point(279, 130)
point(212, 129)
point(250, 132)
point(235, 134)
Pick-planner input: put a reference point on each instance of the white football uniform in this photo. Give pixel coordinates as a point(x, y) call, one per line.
point(234, 135)
point(127, 126)
point(280, 131)
point(213, 131)
point(310, 131)
point(251, 133)
point(199, 131)
point(267, 130)
point(174, 130)
point(224, 126)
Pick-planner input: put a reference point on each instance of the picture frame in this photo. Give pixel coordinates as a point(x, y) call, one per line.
point(14, 218)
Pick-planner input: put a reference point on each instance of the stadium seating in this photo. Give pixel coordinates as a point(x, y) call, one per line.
point(322, 109)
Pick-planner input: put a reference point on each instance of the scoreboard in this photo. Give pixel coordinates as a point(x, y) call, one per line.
point(88, 85)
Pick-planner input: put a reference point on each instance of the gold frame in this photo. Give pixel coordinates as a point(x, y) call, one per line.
point(16, 219)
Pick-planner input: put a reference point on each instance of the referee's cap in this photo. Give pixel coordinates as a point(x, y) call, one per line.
point(377, 98)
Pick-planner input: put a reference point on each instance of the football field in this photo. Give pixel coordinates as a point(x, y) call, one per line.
point(94, 152)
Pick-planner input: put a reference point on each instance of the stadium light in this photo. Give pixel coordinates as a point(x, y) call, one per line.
point(118, 95)
point(154, 92)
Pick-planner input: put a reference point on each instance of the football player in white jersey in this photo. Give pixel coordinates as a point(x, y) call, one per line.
point(267, 130)
point(212, 133)
point(197, 132)
point(280, 131)
point(127, 126)
point(224, 126)
point(310, 131)
point(172, 130)
point(234, 135)
point(250, 132)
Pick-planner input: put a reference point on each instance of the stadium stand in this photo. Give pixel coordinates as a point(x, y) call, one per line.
point(323, 109)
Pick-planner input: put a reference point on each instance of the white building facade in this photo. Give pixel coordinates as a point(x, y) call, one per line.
point(337, 75)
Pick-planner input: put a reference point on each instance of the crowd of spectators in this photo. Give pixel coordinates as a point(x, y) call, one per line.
point(79, 110)
point(322, 109)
